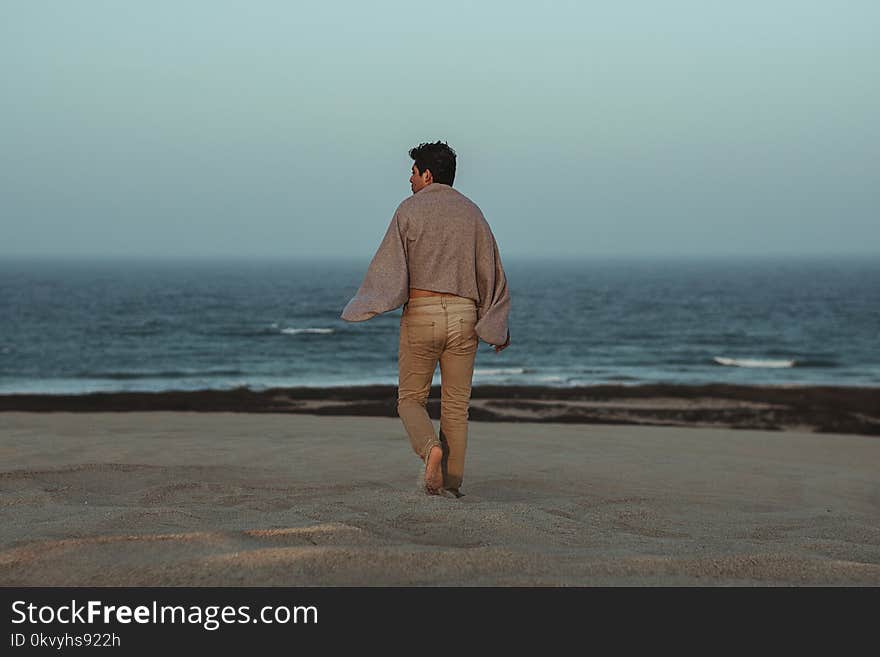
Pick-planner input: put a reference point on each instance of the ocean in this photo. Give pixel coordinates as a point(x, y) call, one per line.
point(69, 326)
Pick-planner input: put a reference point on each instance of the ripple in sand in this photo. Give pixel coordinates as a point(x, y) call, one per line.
point(310, 534)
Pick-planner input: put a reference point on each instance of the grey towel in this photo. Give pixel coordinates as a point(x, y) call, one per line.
point(438, 240)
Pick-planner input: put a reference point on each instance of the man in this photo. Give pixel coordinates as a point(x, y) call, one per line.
point(440, 260)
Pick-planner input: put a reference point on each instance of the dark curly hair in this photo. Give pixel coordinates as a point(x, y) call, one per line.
point(438, 158)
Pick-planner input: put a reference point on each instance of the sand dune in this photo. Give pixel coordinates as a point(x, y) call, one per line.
point(180, 498)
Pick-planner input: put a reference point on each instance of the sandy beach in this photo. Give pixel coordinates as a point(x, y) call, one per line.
point(232, 499)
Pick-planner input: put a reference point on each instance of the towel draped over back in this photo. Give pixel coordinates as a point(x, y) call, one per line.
point(439, 240)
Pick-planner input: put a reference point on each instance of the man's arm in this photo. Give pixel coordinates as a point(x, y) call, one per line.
point(494, 305)
point(386, 284)
point(502, 347)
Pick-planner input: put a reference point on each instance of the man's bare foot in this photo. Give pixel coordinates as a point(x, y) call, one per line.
point(433, 471)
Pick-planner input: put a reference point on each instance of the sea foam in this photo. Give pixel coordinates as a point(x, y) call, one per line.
point(753, 362)
point(296, 331)
point(493, 371)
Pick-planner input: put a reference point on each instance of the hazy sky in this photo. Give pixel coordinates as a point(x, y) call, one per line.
point(282, 128)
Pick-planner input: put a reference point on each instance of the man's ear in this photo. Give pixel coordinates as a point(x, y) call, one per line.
point(429, 175)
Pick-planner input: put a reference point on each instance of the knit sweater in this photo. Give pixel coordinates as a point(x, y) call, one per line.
point(438, 240)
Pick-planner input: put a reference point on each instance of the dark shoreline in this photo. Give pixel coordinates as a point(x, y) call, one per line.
point(827, 409)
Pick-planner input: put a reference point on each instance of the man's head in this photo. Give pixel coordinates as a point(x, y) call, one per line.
point(433, 163)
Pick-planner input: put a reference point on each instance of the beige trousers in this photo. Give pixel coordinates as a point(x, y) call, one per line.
point(436, 329)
